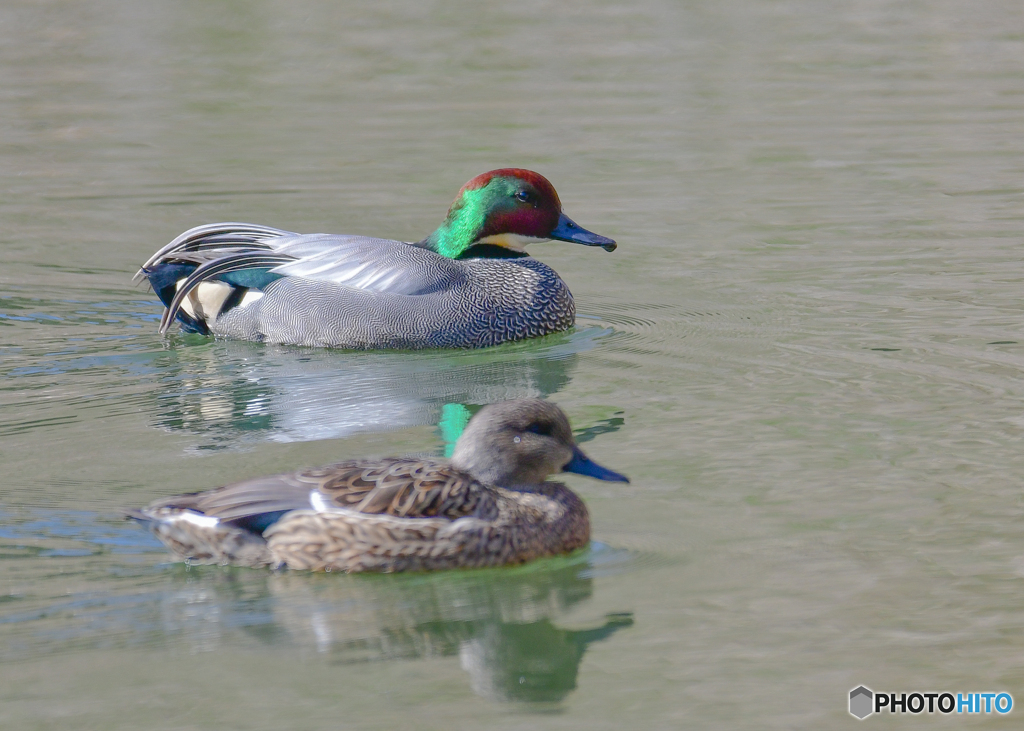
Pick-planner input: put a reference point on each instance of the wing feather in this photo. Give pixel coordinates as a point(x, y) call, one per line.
point(212, 269)
point(229, 235)
point(241, 500)
point(399, 487)
point(361, 262)
point(404, 488)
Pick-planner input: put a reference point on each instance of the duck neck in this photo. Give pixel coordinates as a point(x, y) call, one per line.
point(463, 226)
point(566, 523)
point(452, 239)
point(554, 490)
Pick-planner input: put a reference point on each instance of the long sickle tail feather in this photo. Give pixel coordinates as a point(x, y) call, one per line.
point(219, 267)
point(214, 236)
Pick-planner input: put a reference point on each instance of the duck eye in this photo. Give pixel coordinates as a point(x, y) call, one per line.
point(542, 429)
point(522, 196)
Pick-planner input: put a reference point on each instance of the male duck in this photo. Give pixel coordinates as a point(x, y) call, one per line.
point(488, 506)
point(467, 285)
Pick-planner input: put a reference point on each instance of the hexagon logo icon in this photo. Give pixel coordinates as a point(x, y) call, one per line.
point(861, 702)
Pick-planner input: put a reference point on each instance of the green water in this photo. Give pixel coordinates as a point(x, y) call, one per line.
point(807, 353)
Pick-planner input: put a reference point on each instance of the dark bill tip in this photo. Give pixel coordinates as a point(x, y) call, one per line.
point(569, 230)
point(581, 464)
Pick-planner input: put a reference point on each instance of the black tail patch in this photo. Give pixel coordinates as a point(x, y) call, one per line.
point(164, 278)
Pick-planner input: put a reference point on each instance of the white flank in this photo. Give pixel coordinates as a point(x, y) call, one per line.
point(186, 304)
point(204, 301)
point(203, 521)
point(318, 503)
point(210, 297)
point(249, 297)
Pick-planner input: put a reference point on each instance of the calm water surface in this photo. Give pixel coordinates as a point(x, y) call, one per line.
point(807, 352)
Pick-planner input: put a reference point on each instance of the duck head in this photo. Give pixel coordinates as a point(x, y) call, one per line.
point(520, 443)
point(511, 208)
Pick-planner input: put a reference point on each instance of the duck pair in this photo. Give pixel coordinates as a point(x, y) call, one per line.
point(468, 284)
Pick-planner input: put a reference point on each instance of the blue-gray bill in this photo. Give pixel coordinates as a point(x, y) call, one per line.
point(581, 464)
point(569, 230)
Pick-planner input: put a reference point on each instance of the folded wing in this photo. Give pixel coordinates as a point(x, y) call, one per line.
point(248, 256)
point(402, 488)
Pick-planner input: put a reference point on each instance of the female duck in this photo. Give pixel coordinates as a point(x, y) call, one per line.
point(488, 506)
point(469, 284)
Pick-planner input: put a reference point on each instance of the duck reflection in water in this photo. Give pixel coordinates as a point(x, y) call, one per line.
point(234, 393)
point(535, 661)
point(503, 625)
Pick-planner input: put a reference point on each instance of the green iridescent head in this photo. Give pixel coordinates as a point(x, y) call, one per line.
point(511, 208)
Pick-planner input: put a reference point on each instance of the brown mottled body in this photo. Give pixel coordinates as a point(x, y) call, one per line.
point(527, 526)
